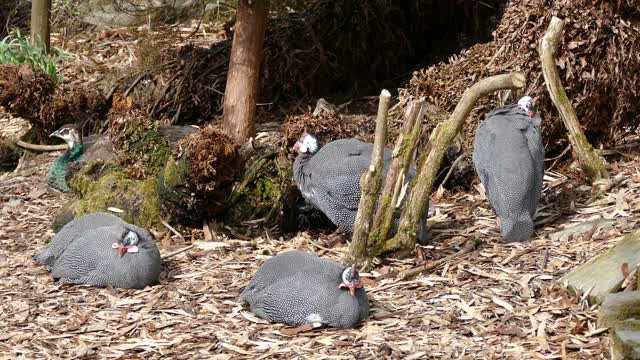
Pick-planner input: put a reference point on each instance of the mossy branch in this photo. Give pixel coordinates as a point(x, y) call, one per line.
point(429, 164)
point(371, 182)
point(590, 162)
point(402, 158)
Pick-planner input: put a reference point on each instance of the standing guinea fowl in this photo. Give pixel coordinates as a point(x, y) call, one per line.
point(100, 249)
point(297, 288)
point(77, 153)
point(508, 155)
point(329, 177)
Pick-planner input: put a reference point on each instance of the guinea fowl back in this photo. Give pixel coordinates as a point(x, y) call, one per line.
point(289, 262)
point(70, 232)
point(509, 159)
point(297, 287)
point(91, 259)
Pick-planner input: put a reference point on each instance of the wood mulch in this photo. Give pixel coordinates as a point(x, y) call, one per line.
point(498, 301)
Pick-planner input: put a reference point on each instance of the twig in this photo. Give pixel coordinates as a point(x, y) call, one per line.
point(174, 231)
point(453, 166)
point(468, 247)
point(179, 251)
point(590, 162)
point(35, 147)
point(134, 83)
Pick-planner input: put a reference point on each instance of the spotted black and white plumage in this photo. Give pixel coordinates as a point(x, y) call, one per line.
point(508, 155)
point(92, 250)
point(298, 287)
point(329, 177)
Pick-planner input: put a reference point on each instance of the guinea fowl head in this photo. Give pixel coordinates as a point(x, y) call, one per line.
point(351, 279)
point(308, 144)
point(70, 134)
point(128, 244)
point(528, 105)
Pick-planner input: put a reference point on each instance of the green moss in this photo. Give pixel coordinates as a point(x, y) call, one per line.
point(137, 198)
point(146, 147)
point(175, 173)
point(259, 193)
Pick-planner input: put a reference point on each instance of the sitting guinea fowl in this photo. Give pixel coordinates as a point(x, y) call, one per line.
point(102, 250)
point(329, 177)
point(78, 152)
point(508, 155)
point(297, 287)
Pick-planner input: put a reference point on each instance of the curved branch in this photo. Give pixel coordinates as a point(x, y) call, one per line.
point(35, 147)
point(589, 161)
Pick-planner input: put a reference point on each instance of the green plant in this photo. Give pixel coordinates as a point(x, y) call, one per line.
point(17, 49)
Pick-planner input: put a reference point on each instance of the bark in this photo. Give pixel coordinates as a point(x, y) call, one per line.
point(241, 92)
point(402, 159)
point(588, 159)
point(40, 22)
point(416, 206)
point(371, 182)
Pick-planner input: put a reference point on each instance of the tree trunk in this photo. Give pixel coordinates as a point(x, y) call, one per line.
point(241, 91)
point(40, 22)
point(589, 161)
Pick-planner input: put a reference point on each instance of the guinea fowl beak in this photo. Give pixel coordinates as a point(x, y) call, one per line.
point(55, 133)
point(352, 291)
point(121, 251)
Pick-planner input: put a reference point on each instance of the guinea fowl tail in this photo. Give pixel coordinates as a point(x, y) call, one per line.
point(517, 229)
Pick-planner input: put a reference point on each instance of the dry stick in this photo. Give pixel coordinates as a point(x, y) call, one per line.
point(402, 159)
point(589, 161)
point(179, 251)
point(452, 168)
point(174, 231)
point(371, 182)
point(468, 247)
point(416, 206)
point(35, 147)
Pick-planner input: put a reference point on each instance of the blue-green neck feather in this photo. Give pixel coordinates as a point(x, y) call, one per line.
point(57, 176)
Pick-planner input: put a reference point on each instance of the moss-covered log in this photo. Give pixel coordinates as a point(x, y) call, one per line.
point(370, 183)
point(403, 155)
point(102, 186)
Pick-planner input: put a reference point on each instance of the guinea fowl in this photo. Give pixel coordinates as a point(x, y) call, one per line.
point(329, 178)
point(100, 249)
point(79, 150)
point(508, 155)
point(297, 288)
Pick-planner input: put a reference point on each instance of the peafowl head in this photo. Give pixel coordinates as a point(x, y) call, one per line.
point(351, 279)
point(128, 243)
point(528, 105)
point(308, 144)
point(70, 133)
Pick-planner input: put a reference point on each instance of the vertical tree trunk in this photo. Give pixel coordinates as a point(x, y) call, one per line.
point(40, 22)
point(244, 69)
